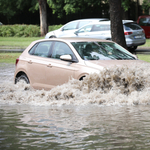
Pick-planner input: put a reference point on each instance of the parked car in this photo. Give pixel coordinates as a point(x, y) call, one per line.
point(144, 22)
point(47, 63)
point(134, 34)
point(71, 27)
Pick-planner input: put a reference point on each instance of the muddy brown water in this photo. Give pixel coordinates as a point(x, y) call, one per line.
point(109, 110)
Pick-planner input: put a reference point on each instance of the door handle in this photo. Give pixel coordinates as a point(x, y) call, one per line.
point(49, 65)
point(30, 62)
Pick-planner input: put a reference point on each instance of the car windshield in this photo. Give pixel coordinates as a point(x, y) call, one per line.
point(101, 51)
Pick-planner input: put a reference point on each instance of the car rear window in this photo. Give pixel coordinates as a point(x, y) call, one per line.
point(131, 26)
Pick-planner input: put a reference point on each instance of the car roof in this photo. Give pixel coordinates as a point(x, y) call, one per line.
point(127, 21)
point(108, 22)
point(72, 39)
point(144, 16)
point(88, 19)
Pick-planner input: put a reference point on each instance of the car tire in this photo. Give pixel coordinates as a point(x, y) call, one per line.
point(109, 39)
point(23, 77)
point(52, 36)
point(132, 49)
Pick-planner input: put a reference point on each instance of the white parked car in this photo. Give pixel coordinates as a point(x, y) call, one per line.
point(71, 27)
point(134, 34)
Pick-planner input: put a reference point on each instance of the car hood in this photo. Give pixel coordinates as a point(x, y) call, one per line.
point(100, 64)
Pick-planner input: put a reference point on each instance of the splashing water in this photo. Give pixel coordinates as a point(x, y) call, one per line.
point(114, 86)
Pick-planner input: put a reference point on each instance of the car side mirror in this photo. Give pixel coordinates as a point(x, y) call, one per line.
point(76, 32)
point(66, 57)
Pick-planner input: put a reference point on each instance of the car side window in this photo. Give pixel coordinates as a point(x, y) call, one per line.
point(70, 26)
point(61, 48)
point(82, 23)
point(100, 28)
point(41, 49)
point(85, 29)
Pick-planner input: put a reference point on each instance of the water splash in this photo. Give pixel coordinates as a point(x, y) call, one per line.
point(114, 86)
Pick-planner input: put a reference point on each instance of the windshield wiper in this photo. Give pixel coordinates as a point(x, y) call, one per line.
point(125, 54)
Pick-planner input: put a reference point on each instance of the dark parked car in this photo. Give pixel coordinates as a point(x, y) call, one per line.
point(144, 22)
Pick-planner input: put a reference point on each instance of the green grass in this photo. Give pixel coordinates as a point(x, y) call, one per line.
point(9, 57)
point(144, 57)
point(16, 42)
point(147, 44)
point(23, 42)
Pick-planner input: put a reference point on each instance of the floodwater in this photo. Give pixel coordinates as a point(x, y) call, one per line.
point(109, 110)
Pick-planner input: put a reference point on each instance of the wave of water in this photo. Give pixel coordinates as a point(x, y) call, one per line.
point(114, 86)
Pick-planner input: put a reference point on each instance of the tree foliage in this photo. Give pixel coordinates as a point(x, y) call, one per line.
point(146, 6)
point(73, 6)
point(9, 8)
point(126, 4)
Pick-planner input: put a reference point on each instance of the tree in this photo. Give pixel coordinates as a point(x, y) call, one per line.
point(116, 22)
point(43, 17)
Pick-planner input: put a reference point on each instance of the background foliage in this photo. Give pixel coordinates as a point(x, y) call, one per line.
point(62, 11)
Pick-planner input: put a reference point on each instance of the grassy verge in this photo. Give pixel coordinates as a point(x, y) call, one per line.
point(144, 57)
point(23, 42)
point(11, 57)
point(147, 44)
point(16, 42)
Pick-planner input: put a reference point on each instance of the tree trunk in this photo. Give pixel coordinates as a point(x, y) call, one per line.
point(43, 17)
point(117, 31)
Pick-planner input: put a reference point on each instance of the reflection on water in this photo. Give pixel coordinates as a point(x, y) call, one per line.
point(109, 110)
point(74, 127)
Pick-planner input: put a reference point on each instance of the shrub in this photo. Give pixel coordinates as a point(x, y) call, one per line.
point(23, 30)
point(19, 31)
point(54, 27)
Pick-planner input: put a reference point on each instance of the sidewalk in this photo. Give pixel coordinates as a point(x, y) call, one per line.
point(142, 50)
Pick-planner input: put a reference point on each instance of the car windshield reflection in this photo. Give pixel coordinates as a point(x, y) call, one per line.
point(101, 51)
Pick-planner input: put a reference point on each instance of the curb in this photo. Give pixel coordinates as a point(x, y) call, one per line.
point(11, 50)
point(139, 50)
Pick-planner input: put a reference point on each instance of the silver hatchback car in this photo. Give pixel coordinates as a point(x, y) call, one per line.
point(134, 34)
point(72, 26)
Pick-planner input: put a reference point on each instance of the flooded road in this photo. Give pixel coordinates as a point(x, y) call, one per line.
point(109, 110)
